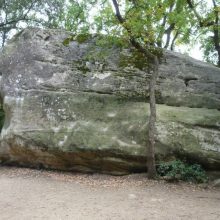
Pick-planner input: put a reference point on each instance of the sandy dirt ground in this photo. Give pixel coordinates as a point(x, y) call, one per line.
point(27, 194)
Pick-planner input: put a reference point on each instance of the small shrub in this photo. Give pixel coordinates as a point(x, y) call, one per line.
point(178, 170)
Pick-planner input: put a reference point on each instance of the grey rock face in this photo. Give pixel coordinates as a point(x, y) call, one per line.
point(74, 105)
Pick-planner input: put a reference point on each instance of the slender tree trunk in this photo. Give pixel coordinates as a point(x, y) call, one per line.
point(151, 165)
point(216, 30)
point(174, 40)
point(3, 38)
point(168, 33)
point(218, 51)
point(216, 42)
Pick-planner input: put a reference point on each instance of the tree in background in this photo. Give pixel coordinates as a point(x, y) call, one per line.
point(71, 15)
point(16, 15)
point(208, 26)
point(172, 22)
point(12, 12)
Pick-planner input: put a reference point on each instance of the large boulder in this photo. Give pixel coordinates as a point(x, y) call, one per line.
point(76, 103)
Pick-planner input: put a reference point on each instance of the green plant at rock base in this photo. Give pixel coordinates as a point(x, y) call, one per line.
point(178, 170)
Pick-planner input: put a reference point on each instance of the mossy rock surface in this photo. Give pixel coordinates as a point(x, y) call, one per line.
point(83, 107)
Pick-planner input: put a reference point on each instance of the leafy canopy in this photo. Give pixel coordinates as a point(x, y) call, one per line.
point(161, 23)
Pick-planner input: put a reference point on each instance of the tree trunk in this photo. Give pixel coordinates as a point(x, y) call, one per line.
point(151, 165)
point(218, 51)
point(173, 41)
point(3, 38)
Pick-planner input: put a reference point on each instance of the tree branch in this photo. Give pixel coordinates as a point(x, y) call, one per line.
point(117, 12)
point(22, 17)
point(133, 40)
point(202, 22)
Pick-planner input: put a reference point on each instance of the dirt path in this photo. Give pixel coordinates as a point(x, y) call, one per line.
point(27, 194)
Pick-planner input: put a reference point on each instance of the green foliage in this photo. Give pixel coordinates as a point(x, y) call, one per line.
point(74, 16)
point(178, 170)
point(210, 54)
point(206, 28)
point(160, 23)
point(18, 14)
